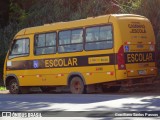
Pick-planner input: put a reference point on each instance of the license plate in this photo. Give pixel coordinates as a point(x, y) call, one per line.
point(141, 72)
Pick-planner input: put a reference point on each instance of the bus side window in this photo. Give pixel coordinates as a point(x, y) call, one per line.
point(99, 38)
point(45, 44)
point(77, 36)
point(61, 49)
point(70, 41)
point(92, 34)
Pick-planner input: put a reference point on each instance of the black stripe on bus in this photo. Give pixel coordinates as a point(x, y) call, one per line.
point(64, 62)
point(81, 61)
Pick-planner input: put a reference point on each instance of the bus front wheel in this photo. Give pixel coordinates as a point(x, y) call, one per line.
point(77, 86)
point(14, 87)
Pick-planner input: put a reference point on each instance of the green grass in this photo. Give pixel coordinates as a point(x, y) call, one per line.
point(2, 88)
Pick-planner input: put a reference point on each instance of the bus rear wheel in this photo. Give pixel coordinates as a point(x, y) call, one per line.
point(14, 87)
point(77, 86)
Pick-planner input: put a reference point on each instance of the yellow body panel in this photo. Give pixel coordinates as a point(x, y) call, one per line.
point(122, 28)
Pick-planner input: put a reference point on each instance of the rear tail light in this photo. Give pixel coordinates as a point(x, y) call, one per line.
point(120, 59)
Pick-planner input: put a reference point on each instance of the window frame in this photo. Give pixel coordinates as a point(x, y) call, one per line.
point(100, 25)
point(34, 50)
point(80, 28)
point(83, 28)
point(18, 55)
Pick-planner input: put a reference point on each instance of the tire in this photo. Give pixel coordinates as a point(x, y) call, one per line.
point(77, 86)
point(14, 87)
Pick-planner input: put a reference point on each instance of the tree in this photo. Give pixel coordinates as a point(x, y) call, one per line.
point(151, 9)
point(127, 6)
point(4, 12)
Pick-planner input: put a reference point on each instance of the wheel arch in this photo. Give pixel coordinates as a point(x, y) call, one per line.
point(74, 74)
point(10, 77)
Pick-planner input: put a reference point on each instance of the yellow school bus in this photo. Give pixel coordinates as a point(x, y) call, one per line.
point(97, 51)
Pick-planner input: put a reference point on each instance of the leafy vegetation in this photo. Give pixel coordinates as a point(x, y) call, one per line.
point(2, 88)
point(27, 13)
point(128, 6)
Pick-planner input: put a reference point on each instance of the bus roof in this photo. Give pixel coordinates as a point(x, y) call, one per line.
point(73, 24)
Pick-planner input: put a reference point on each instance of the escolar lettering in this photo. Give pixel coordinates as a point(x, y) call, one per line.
point(139, 57)
point(61, 62)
